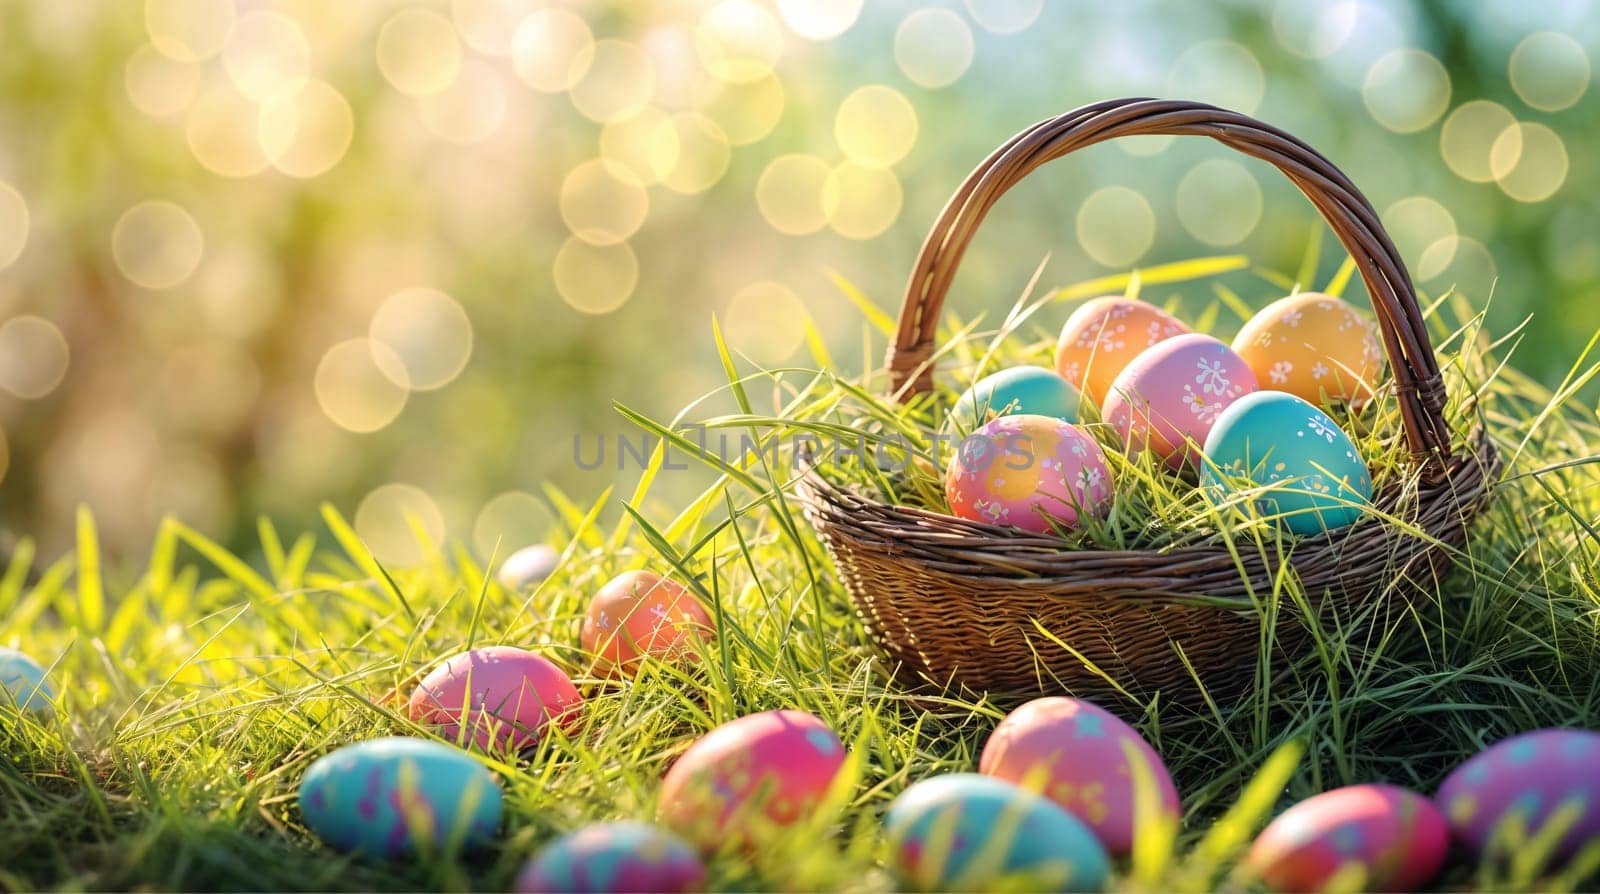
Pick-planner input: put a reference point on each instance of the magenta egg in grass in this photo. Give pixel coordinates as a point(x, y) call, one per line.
point(750, 777)
point(1166, 400)
point(1396, 839)
point(1522, 784)
point(1078, 755)
point(495, 697)
point(611, 858)
point(1028, 471)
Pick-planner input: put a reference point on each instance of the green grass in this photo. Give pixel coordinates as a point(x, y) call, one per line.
point(196, 691)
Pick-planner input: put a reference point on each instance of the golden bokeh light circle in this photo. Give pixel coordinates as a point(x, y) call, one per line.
point(1005, 16)
point(738, 41)
point(933, 47)
point(747, 113)
point(765, 321)
point(702, 157)
point(862, 202)
point(1221, 72)
point(642, 149)
point(595, 279)
point(388, 521)
point(1116, 226)
point(1317, 29)
point(792, 194)
point(488, 26)
point(418, 51)
point(189, 30)
point(306, 134)
point(15, 222)
point(600, 207)
point(33, 357)
point(876, 126)
point(157, 84)
point(222, 132)
point(1470, 268)
point(361, 385)
point(1219, 202)
point(1424, 231)
point(1529, 162)
point(266, 54)
point(552, 49)
point(619, 83)
point(472, 109)
point(820, 19)
point(1549, 71)
point(1469, 136)
point(429, 332)
point(509, 521)
point(157, 244)
point(1406, 90)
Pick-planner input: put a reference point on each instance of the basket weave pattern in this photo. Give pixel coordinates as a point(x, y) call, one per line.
point(986, 608)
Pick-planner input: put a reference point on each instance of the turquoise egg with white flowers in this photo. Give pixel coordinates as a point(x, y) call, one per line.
point(1033, 390)
point(1311, 475)
point(23, 684)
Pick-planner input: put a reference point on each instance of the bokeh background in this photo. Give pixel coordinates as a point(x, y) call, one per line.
point(394, 255)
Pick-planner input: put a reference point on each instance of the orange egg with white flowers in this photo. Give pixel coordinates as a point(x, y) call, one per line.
point(1317, 347)
point(639, 613)
point(1103, 335)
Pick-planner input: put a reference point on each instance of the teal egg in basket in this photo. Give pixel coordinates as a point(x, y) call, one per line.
point(1020, 389)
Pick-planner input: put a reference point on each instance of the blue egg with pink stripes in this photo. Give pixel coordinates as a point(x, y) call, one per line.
point(608, 858)
point(398, 796)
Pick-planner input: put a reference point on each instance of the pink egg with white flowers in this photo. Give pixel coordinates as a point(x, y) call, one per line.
point(1082, 757)
point(1395, 838)
point(1029, 471)
point(495, 697)
point(1166, 400)
point(750, 778)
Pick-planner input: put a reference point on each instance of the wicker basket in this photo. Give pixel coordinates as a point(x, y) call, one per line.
point(972, 606)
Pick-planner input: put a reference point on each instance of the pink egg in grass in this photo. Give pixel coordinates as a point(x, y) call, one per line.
point(750, 777)
point(1391, 838)
point(1166, 400)
point(1028, 471)
point(1079, 755)
point(495, 697)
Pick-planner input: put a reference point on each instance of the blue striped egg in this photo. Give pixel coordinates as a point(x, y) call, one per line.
point(24, 683)
point(966, 832)
point(1021, 389)
point(395, 796)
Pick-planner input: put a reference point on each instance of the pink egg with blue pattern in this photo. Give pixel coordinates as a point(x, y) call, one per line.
point(750, 777)
point(1397, 838)
point(613, 858)
point(1166, 400)
point(1028, 471)
point(1077, 754)
point(495, 697)
point(1524, 781)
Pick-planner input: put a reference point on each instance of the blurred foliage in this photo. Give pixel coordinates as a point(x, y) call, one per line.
point(399, 255)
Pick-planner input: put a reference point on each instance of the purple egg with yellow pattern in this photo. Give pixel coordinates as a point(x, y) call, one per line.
point(611, 858)
point(1396, 837)
point(1522, 783)
point(1029, 471)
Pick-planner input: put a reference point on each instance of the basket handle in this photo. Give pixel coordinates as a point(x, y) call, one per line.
point(1418, 385)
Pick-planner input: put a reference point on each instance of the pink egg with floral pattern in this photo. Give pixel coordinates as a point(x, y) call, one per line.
point(750, 778)
point(1397, 838)
point(1028, 471)
point(1525, 781)
point(1167, 399)
point(1080, 756)
point(495, 697)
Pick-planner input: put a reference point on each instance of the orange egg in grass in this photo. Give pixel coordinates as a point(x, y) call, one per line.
point(1317, 347)
point(639, 613)
point(1103, 335)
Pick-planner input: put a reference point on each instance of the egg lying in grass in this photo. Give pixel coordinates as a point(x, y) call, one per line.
point(613, 858)
point(23, 684)
point(966, 832)
point(528, 566)
point(750, 777)
point(1080, 756)
point(1313, 346)
point(396, 796)
point(1103, 335)
point(1033, 390)
point(496, 697)
point(1523, 785)
point(639, 613)
point(1396, 840)
point(1028, 471)
point(1314, 478)
point(1166, 400)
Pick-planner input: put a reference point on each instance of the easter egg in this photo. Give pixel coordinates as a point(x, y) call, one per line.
point(1313, 346)
point(750, 777)
point(24, 683)
point(1103, 335)
point(528, 566)
point(394, 796)
point(1077, 754)
point(638, 613)
point(495, 697)
point(1021, 389)
point(1027, 471)
point(1168, 397)
point(1314, 477)
point(1396, 837)
point(612, 858)
point(967, 832)
point(1522, 782)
